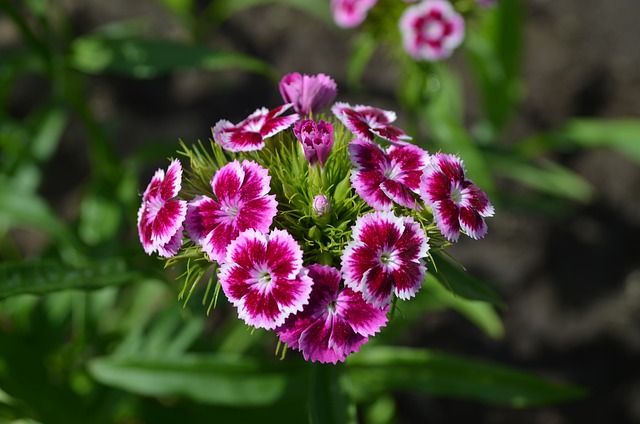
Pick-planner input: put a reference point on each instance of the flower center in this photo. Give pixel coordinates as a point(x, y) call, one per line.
point(154, 204)
point(433, 29)
point(392, 171)
point(332, 309)
point(261, 276)
point(456, 194)
point(389, 259)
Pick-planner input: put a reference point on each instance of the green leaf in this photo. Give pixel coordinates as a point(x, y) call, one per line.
point(42, 277)
point(378, 369)
point(329, 401)
point(221, 10)
point(495, 50)
point(213, 378)
point(622, 135)
point(363, 49)
point(30, 210)
point(549, 177)
point(147, 58)
point(461, 283)
point(480, 313)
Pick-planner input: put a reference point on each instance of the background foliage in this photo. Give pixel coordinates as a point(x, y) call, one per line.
point(91, 329)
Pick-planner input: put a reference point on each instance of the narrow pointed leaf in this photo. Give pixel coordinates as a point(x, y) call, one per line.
point(42, 277)
point(378, 369)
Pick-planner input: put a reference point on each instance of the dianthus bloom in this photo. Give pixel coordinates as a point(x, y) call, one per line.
point(456, 202)
point(263, 277)
point(382, 178)
point(431, 30)
point(250, 134)
point(160, 216)
point(316, 139)
point(366, 122)
point(335, 323)
point(241, 203)
point(350, 13)
point(386, 256)
point(308, 93)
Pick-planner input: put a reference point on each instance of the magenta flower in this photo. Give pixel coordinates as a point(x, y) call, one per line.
point(350, 13)
point(386, 256)
point(160, 216)
point(308, 93)
point(250, 134)
point(264, 279)
point(241, 203)
point(456, 202)
point(335, 323)
point(431, 30)
point(382, 178)
point(316, 139)
point(367, 122)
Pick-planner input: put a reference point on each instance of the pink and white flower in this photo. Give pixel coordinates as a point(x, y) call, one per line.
point(316, 139)
point(241, 202)
point(456, 202)
point(350, 13)
point(335, 323)
point(382, 178)
point(308, 93)
point(251, 133)
point(264, 279)
point(366, 122)
point(161, 215)
point(385, 257)
point(431, 30)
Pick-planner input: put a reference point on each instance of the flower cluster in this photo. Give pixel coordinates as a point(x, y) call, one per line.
point(315, 224)
point(430, 29)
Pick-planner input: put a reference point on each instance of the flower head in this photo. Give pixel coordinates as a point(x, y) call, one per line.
point(335, 323)
point(431, 30)
point(316, 139)
point(160, 216)
point(241, 203)
point(456, 202)
point(350, 13)
point(386, 256)
point(382, 178)
point(250, 134)
point(308, 93)
point(366, 122)
point(263, 277)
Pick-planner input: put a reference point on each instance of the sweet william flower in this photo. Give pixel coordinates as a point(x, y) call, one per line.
point(316, 139)
point(161, 216)
point(307, 93)
point(350, 13)
point(431, 30)
point(264, 279)
point(241, 202)
point(250, 134)
point(366, 122)
point(385, 257)
point(382, 177)
point(336, 321)
point(456, 202)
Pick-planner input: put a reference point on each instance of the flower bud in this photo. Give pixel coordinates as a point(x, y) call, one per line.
point(321, 205)
point(308, 93)
point(316, 139)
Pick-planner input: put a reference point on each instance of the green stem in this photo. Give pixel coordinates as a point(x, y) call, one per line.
point(329, 403)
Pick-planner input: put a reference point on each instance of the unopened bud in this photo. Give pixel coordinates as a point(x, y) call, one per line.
point(321, 205)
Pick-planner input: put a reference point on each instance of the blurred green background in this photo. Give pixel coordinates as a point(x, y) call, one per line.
point(541, 102)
